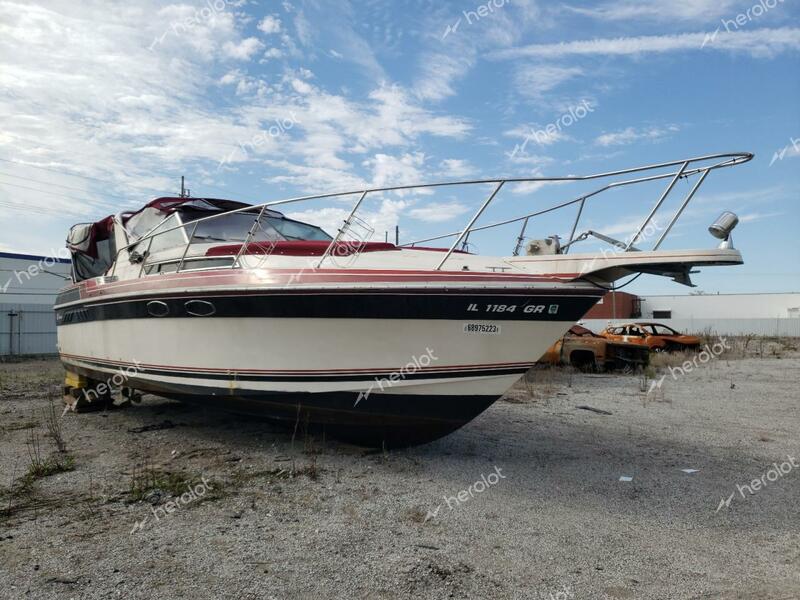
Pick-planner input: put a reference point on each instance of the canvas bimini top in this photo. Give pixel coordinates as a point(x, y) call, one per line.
point(93, 247)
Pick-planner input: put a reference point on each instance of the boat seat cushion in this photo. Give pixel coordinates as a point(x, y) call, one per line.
point(301, 248)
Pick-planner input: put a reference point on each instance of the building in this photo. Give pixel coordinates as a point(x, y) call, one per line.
point(28, 287)
point(616, 305)
point(725, 314)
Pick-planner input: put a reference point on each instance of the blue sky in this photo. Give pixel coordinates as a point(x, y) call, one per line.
point(104, 105)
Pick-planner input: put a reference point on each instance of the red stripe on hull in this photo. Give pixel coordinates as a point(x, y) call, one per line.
point(287, 277)
point(120, 363)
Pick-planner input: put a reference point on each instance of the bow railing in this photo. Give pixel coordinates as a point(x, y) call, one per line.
point(699, 166)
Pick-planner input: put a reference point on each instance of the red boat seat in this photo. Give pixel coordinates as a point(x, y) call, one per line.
point(301, 248)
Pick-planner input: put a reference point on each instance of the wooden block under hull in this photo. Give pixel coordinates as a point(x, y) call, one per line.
point(82, 394)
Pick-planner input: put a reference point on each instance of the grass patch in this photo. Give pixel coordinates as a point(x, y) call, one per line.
point(21, 492)
point(51, 466)
point(310, 470)
point(146, 479)
point(53, 422)
point(663, 360)
point(44, 467)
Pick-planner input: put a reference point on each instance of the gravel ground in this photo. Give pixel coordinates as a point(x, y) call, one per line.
point(525, 502)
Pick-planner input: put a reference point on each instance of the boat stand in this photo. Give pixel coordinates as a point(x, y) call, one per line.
point(82, 394)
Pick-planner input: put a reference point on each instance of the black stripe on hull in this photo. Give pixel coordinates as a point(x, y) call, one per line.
point(377, 420)
point(463, 305)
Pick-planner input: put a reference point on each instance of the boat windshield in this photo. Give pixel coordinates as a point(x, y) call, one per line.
point(235, 227)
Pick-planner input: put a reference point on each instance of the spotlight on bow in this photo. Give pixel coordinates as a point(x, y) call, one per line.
point(722, 228)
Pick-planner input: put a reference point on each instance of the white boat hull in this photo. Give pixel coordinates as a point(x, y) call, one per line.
point(394, 379)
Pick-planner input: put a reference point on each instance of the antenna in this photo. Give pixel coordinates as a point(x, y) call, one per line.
point(184, 192)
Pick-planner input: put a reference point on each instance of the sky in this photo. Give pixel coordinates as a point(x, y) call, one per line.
point(104, 105)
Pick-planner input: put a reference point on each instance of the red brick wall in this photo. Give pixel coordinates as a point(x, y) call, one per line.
point(627, 305)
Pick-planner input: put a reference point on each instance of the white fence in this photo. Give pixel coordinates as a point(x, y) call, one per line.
point(785, 327)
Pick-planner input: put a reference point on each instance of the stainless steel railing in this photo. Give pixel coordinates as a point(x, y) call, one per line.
point(688, 168)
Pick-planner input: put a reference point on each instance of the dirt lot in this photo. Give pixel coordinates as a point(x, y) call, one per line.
point(525, 502)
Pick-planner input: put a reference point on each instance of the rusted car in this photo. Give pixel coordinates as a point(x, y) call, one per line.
point(586, 350)
point(657, 337)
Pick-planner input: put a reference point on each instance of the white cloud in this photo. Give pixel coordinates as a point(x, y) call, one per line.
point(243, 50)
point(456, 168)
point(534, 80)
point(331, 127)
point(627, 227)
point(446, 61)
point(713, 202)
point(535, 134)
point(314, 178)
point(230, 77)
point(136, 114)
point(388, 170)
point(337, 29)
point(329, 218)
point(379, 218)
point(301, 87)
point(630, 135)
point(440, 70)
point(750, 217)
point(529, 187)
point(438, 212)
point(758, 42)
point(303, 29)
point(269, 24)
point(689, 10)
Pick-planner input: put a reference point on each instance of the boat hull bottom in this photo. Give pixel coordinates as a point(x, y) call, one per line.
point(375, 420)
point(379, 421)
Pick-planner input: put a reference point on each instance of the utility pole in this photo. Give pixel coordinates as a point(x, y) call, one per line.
point(184, 192)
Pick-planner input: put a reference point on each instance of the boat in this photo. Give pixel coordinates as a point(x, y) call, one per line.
point(239, 307)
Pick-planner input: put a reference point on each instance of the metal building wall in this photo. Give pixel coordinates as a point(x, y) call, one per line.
point(28, 287)
point(725, 306)
point(27, 329)
point(31, 279)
